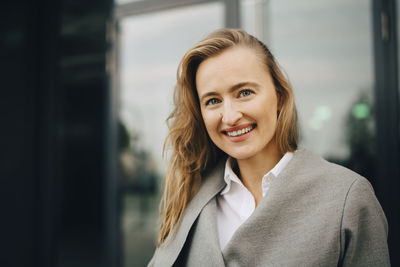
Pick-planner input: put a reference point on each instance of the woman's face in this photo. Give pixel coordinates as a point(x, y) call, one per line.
point(238, 103)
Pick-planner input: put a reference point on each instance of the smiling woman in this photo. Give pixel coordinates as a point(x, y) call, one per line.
point(238, 190)
point(239, 104)
point(242, 118)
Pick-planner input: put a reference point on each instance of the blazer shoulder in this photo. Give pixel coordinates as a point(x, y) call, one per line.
point(363, 222)
point(306, 163)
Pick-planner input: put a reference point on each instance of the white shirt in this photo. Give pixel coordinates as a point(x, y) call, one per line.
point(235, 203)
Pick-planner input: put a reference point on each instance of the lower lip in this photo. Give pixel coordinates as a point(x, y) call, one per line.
point(239, 138)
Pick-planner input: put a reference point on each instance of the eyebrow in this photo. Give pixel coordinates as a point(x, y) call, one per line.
point(231, 89)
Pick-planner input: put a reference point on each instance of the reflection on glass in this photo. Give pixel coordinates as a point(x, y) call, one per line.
point(121, 2)
point(255, 19)
point(151, 47)
point(326, 49)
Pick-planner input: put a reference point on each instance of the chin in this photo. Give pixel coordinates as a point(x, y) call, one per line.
point(240, 155)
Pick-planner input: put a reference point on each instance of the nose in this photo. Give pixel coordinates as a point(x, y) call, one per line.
point(230, 115)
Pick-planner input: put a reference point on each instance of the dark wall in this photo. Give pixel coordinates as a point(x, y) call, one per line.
point(54, 108)
point(19, 109)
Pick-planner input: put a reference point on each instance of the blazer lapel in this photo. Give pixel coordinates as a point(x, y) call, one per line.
point(204, 249)
point(255, 232)
point(211, 185)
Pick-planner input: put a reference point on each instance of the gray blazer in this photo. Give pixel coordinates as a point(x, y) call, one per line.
point(315, 214)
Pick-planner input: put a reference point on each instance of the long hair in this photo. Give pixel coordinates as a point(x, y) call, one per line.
point(191, 150)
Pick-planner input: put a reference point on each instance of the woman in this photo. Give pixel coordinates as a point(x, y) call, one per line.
point(238, 191)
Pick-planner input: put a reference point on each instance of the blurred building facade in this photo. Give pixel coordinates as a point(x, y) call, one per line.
point(90, 85)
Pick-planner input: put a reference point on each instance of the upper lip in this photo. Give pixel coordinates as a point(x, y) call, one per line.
point(236, 128)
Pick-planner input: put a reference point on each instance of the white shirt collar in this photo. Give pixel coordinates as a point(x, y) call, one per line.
point(230, 176)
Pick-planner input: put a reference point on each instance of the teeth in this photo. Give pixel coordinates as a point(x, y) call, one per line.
point(240, 132)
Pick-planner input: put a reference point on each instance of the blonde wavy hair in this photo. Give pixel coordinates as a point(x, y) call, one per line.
point(192, 151)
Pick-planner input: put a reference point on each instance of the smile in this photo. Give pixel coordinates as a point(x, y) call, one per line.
point(241, 131)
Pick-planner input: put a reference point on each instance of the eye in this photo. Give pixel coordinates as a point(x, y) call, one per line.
point(212, 101)
point(245, 92)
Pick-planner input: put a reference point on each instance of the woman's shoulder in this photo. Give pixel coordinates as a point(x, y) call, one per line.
point(306, 163)
point(316, 183)
point(328, 182)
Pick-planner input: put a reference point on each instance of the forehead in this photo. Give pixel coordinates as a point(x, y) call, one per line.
point(233, 65)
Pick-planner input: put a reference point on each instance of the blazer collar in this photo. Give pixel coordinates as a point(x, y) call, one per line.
point(212, 184)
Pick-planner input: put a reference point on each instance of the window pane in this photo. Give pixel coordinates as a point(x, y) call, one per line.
point(325, 47)
point(151, 47)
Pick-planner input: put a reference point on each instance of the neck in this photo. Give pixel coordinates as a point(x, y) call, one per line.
point(253, 169)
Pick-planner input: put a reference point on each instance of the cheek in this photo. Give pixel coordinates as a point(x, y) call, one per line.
point(268, 119)
point(211, 122)
point(266, 109)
